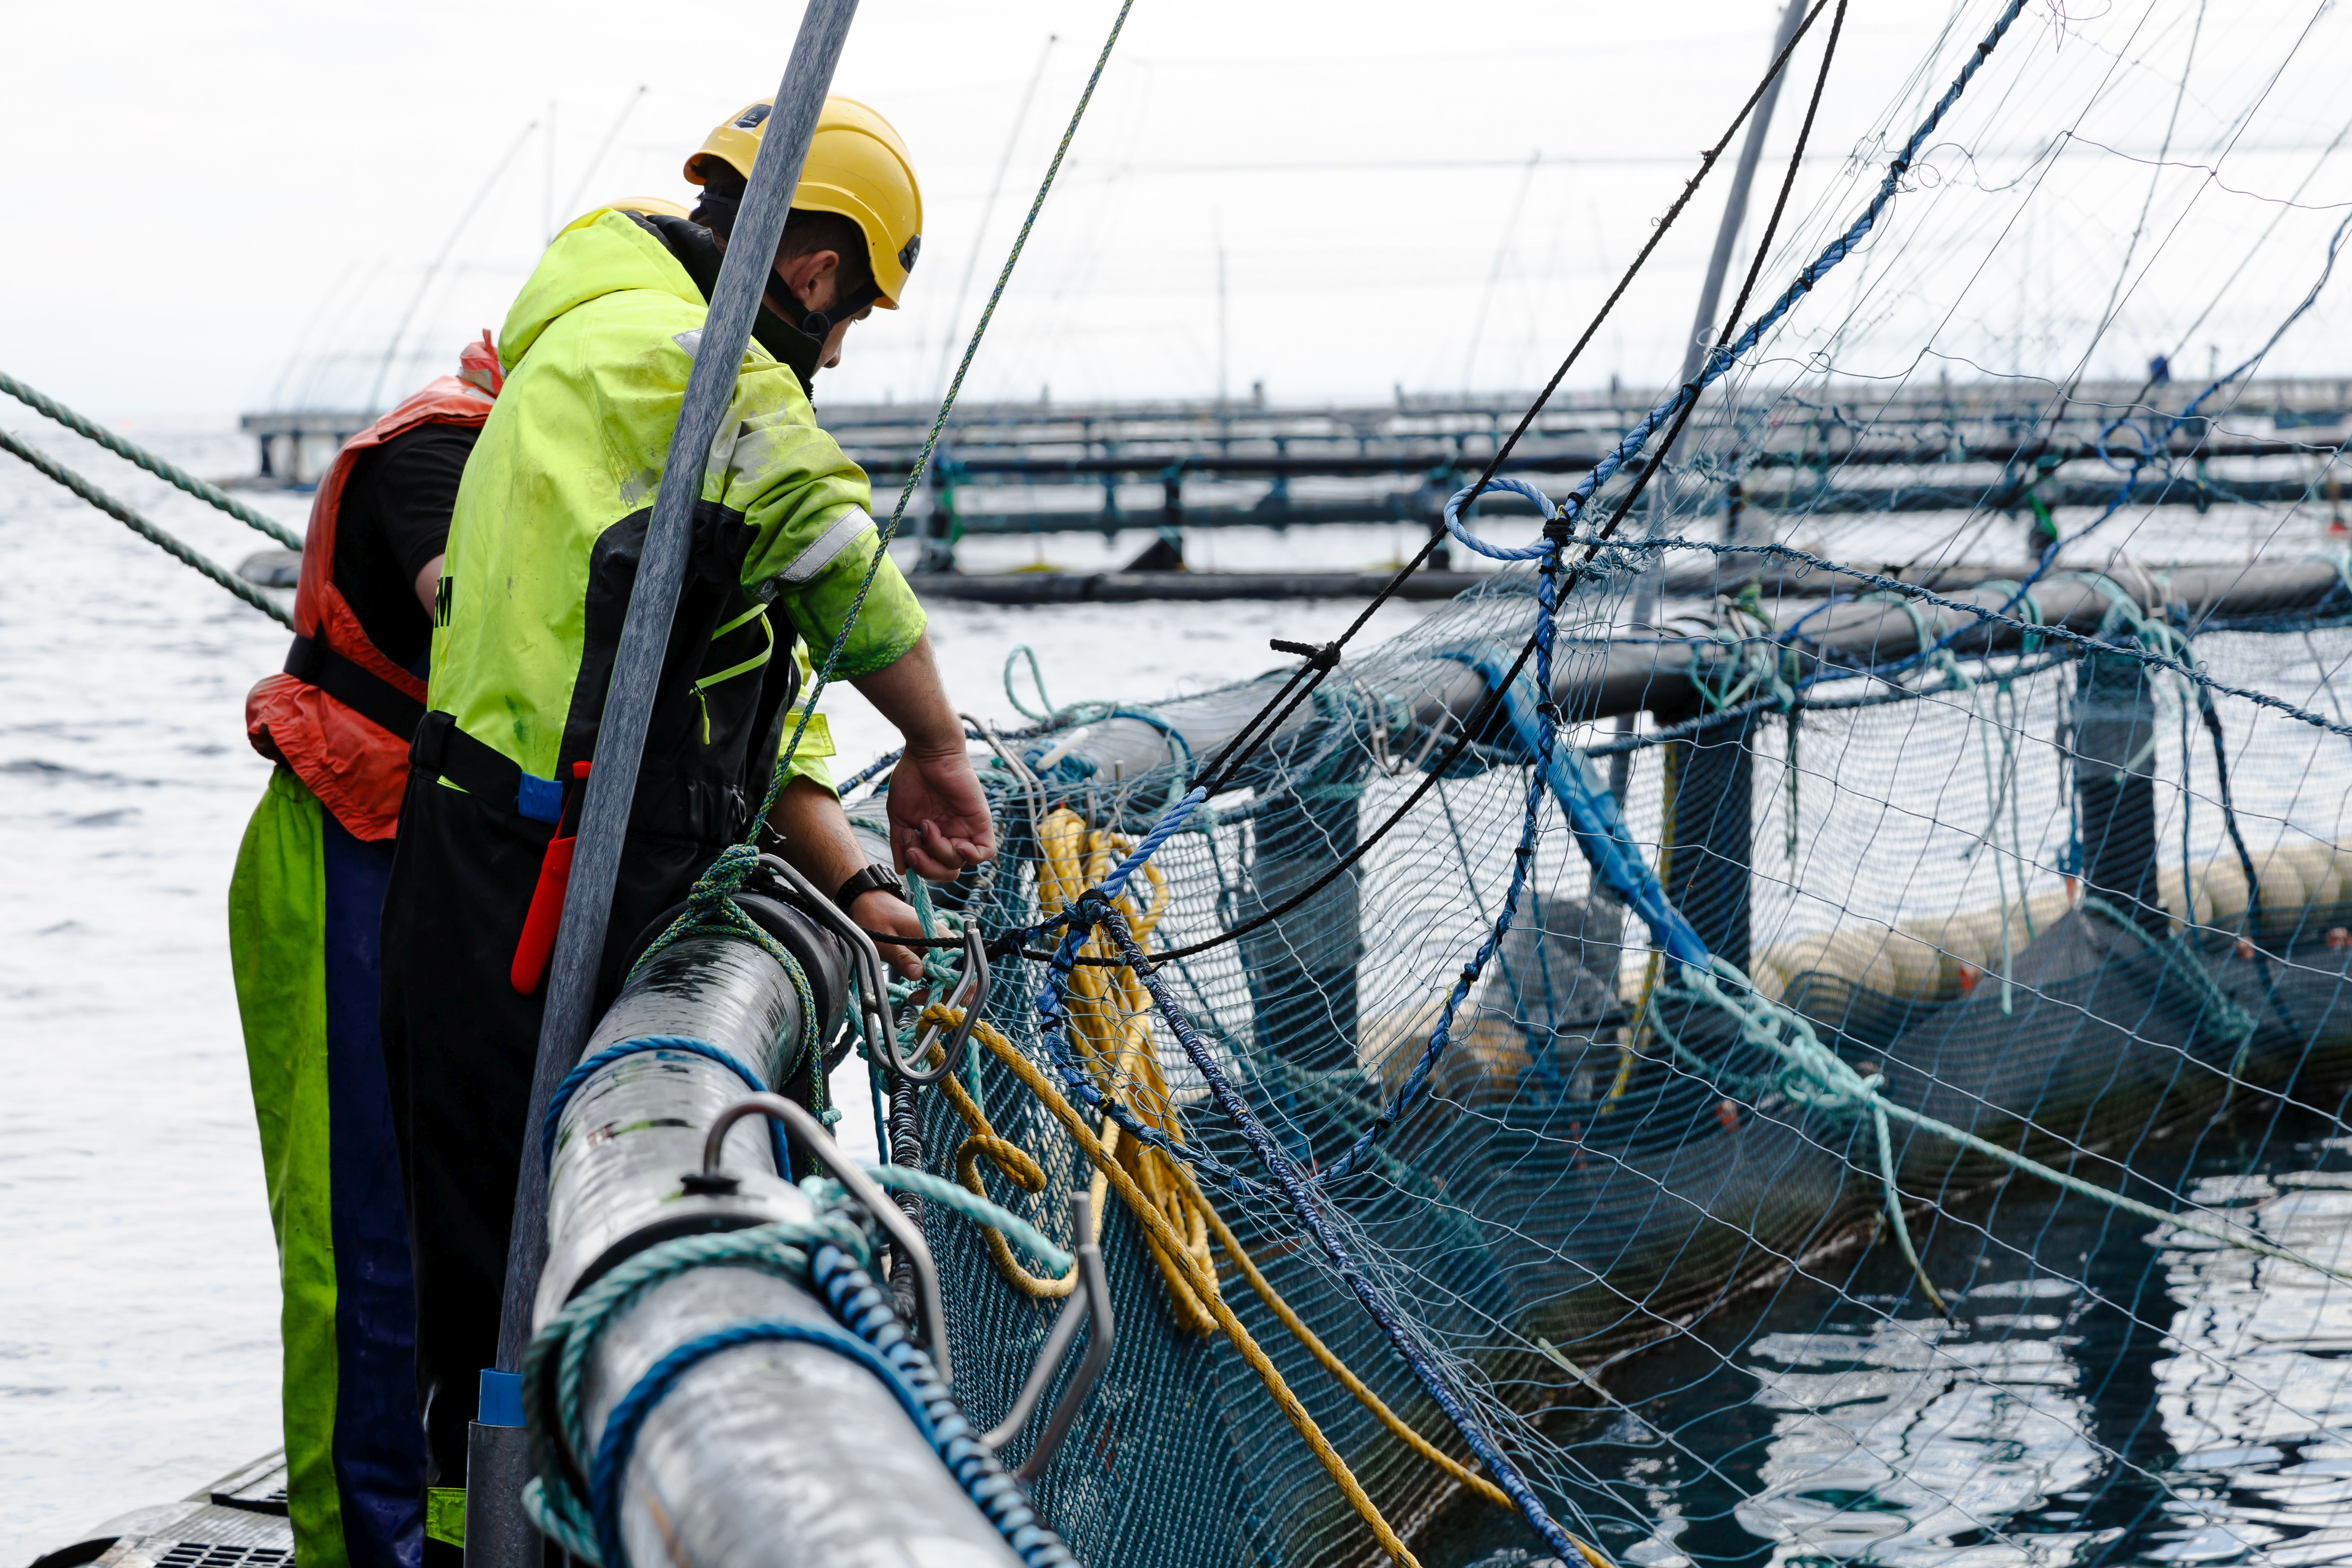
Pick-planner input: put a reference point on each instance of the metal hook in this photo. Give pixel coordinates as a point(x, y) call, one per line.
point(970, 994)
point(873, 981)
point(901, 1230)
point(1091, 1302)
point(876, 998)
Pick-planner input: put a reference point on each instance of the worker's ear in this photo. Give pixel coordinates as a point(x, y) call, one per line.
point(812, 277)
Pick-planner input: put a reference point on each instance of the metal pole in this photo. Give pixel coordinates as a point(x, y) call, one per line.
point(1703, 325)
point(494, 1518)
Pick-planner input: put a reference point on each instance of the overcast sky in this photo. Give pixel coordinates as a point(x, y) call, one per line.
point(218, 208)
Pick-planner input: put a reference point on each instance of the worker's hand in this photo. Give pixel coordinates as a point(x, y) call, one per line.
point(881, 915)
point(938, 817)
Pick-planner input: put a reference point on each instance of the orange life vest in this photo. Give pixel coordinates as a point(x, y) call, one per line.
point(341, 713)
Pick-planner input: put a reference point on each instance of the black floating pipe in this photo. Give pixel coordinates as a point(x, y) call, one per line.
point(775, 1453)
point(1302, 969)
point(1713, 829)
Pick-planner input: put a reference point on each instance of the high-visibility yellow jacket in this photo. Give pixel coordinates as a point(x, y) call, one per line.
point(551, 516)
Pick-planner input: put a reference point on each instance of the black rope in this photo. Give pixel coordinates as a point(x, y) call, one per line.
point(1307, 677)
point(1747, 286)
point(2212, 718)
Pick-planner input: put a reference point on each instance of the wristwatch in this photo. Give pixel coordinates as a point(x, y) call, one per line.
point(872, 878)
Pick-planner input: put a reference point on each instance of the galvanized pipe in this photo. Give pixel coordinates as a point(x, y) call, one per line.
point(497, 1535)
point(780, 1454)
point(1602, 678)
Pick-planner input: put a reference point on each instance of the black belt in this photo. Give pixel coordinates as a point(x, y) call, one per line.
point(357, 688)
point(445, 751)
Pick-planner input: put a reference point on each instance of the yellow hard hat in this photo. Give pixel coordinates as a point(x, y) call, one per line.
point(857, 166)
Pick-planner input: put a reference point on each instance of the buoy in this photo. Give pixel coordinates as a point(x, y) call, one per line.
point(1917, 965)
point(2223, 882)
point(2171, 888)
point(1856, 957)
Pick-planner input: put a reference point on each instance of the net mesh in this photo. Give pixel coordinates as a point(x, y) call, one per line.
point(2080, 894)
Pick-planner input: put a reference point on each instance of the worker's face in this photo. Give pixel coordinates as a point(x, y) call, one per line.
point(834, 339)
point(814, 281)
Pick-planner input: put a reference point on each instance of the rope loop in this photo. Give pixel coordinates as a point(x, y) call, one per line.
point(1549, 513)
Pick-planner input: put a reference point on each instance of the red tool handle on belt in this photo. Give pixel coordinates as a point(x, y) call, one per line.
point(537, 943)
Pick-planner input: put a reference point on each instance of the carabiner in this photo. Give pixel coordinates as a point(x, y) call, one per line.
point(970, 994)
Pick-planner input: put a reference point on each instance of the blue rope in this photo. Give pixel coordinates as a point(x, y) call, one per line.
point(1098, 908)
point(683, 1043)
point(628, 1417)
point(1721, 358)
point(2033, 628)
point(1546, 549)
point(947, 404)
point(858, 1301)
point(1522, 857)
point(2160, 441)
point(823, 1253)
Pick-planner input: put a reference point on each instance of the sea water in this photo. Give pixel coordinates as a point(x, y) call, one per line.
point(2104, 1391)
point(2140, 1400)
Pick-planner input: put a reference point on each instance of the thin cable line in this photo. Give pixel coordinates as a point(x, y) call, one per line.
point(947, 404)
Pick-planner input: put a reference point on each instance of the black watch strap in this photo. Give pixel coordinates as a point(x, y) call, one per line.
point(872, 878)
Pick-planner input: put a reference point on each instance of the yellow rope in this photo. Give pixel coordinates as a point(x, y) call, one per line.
point(1109, 1015)
point(1167, 1245)
point(1231, 1247)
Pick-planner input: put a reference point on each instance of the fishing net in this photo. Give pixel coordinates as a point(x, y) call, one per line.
point(1813, 1029)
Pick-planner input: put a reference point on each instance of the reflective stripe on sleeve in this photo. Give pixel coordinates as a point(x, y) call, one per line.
point(831, 543)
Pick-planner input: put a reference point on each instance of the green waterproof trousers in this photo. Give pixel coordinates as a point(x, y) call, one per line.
point(305, 906)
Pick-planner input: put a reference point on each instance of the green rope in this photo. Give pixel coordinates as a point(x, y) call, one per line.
point(1813, 1076)
point(561, 1349)
point(961, 1200)
point(922, 459)
point(148, 460)
point(187, 555)
point(555, 1366)
point(1022, 650)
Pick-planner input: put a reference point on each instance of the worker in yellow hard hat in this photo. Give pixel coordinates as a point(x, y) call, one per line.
point(542, 552)
point(857, 195)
